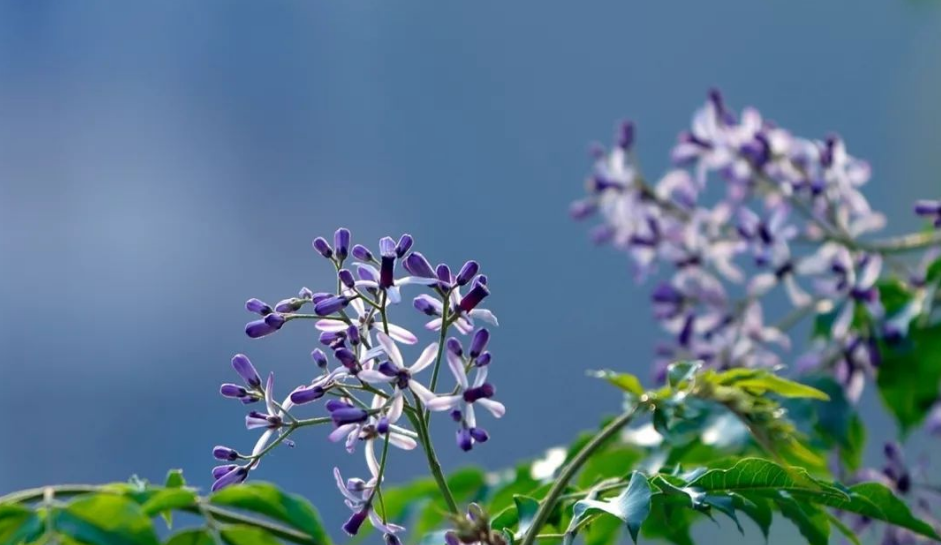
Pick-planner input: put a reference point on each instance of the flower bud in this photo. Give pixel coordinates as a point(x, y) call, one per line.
point(346, 278)
point(479, 342)
point(352, 333)
point(225, 453)
point(467, 273)
point(443, 273)
point(305, 294)
point(404, 245)
point(479, 434)
point(289, 305)
point(258, 307)
point(352, 525)
point(307, 394)
point(362, 253)
point(319, 358)
point(483, 360)
point(234, 476)
point(233, 390)
point(243, 366)
point(580, 210)
point(426, 304)
point(219, 471)
point(454, 346)
point(464, 440)
point(321, 245)
point(417, 265)
point(351, 415)
point(387, 263)
point(275, 320)
point(341, 243)
point(626, 135)
point(331, 305)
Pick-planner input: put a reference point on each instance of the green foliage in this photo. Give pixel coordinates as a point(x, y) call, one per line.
point(910, 375)
point(124, 514)
point(632, 506)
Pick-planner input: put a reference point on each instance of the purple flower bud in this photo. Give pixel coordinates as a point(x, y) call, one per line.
point(467, 273)
point(454, 346)
point(626, 135)
point(305, 294)
point(233, 391)
point(450, 538)
point(274, 320)
point(332, 339)
point(387, 247)
point(601, 234)
point(417, 265)
point(426, 304)
point(225, 454)
point(319, 358)
point(404, 245)
point(392, 539)
point(341, 243)
point(352, 333)
point(258, 328)
point(479, 434)
point(580, 210)
point(382, 427)
point(893, 452)
point(219, 471)
point(473, 298)
point(336, 404)
point(321, 296)
point(352, 525)
point(456, 415)
point(347, 358)
point(306, 395)
point(321, 245)
point(289, 305)
point(464, 440)
point(443, 273)
point(485, 390)
point(928, 208)
point(352, 415)
point(479, 342)
point(483, 360)
point(243, 366)
point(362, 253)
point(482, 279)
point(234, 476)
point(257, 306)
point(331, 305)
point(346, 278)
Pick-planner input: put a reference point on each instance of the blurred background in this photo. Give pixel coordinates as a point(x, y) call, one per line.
point(162, 162)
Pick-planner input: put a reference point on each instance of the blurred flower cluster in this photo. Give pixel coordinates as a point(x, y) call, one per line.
point(750, 209)
point(374, 393)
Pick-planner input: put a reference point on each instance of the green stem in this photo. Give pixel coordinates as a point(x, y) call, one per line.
point(442, 340)
point(568, 472)
point(904, 243)
point(433, 464)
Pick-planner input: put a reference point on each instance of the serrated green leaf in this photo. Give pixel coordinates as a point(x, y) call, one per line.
point(631, 506)
point(625, 381)
point(240, 534)
point(266, 499)
point(19, 524)
point(105, 519)
point(194, 536)
point(910, 374)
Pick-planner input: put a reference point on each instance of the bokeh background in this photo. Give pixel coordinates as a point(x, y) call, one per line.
point(161, 162)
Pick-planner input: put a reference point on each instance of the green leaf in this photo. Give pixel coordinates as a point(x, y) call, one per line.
point(761, 381)
point(682, 371)
point(631, 506)
point(875, 501)
point(625, 381)
point(812, 522)
point(847, 532)
point(759, 475)
point(266, 499)
point(669, 522)
point(611, 462)
point(195, 536)
point(168, 499)
point(18, 524)
point(909, 375)
point(757, 508)
point(175, 479)
point(526, 508)
point(105, 519)
point(247, 535)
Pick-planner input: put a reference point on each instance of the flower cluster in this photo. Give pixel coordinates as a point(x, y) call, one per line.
point(787, 214)
point(374, 395)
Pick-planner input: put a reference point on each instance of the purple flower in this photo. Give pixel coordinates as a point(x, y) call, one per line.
point(469, 394)
point(362, 253)
point(358, 495)
point(417, 265)
point(467, 273)
point(395, 372)
point(225, 454)
point(403, 246)
point(365, 320)
point(266, 326)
